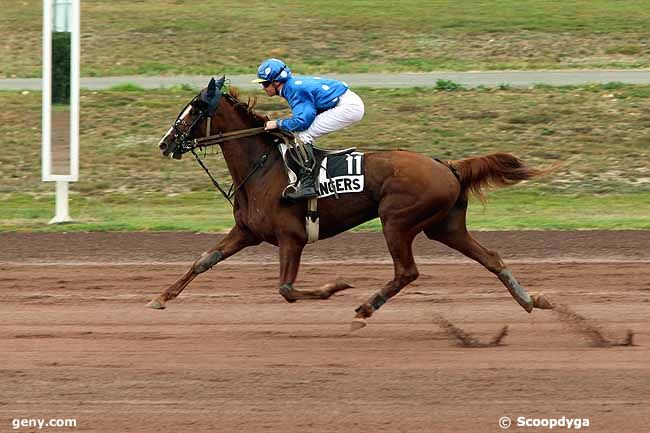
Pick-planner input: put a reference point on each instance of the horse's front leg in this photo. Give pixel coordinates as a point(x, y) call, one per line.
point(290, 252)
point(400, 246)
point(236, 240)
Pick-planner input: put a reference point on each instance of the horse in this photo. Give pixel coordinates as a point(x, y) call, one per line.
point(409, 192)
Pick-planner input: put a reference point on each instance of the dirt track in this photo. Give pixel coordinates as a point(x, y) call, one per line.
point(230, 355)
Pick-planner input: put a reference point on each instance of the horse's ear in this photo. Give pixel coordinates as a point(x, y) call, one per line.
point(213, 94)
point(220, 82)
point(212, 87)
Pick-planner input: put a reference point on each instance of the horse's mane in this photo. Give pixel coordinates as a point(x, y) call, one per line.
point(246, 108)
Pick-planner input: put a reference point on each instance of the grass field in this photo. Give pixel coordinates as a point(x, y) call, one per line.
point(600, 134)
point(520, 208)
point(151, 37)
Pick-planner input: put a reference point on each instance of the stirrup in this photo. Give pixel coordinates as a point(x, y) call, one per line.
point(304, 190)
point(299, 193)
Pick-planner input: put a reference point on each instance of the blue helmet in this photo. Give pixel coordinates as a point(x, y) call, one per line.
point(272, 70)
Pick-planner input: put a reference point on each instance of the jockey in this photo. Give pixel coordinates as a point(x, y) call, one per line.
point(318, 106)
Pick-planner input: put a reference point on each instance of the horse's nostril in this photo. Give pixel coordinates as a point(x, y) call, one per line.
point(162, 146)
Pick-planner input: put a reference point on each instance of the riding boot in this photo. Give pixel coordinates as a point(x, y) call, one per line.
point(306, 187)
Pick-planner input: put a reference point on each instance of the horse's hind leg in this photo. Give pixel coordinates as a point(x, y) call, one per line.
point(400, 247)
point(291, 294)
point(290, 252)
point(464, 243)
point(236, 240)
point(453, 233)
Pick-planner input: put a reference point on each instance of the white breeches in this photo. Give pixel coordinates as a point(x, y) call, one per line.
point(349, 110)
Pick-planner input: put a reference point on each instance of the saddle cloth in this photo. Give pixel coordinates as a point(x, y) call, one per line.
point(341, 174)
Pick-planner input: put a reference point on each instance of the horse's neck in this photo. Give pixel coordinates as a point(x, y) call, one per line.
point(242, 155)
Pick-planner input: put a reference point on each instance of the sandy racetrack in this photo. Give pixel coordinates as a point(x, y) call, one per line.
point(230, 355)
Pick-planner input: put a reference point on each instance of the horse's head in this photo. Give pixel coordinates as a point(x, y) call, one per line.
point(190, 123)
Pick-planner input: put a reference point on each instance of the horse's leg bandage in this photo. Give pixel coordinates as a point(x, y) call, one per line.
point(207, 261)
point(311, 221)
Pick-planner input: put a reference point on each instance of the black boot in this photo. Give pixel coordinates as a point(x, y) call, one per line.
point(306, 187)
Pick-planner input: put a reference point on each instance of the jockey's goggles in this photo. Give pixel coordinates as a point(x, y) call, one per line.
point(262, 82)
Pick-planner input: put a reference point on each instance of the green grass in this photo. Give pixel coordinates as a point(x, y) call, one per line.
point(118, 212)
point(529, 208)
point(598, 134)
point(127, 87)
point(515, 208)
point(151, 37)
point(448, 86)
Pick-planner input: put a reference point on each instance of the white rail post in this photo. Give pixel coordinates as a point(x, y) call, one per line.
point(62, 214)
point(60, 16)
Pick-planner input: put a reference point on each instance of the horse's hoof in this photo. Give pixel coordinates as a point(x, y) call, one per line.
point(156, 305)
point(540, 301)
point(285, 291)
point(342, 284)
point(357, 323)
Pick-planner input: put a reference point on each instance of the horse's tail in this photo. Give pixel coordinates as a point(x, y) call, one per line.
point(496, 169)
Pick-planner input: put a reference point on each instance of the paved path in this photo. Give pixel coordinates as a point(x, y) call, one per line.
point(470, 79)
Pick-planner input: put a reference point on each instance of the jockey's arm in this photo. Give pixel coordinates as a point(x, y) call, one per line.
point(303, 110)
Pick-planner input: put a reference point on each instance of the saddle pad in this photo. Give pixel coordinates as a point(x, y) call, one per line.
point(341, 174)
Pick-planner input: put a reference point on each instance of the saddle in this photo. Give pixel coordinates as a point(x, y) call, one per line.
point(293, 160)
point(320, 153)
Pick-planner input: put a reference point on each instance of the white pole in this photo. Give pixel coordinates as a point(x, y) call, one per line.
point(61, 15)
point(75, 55)
point(62, 215)
point(46, 153)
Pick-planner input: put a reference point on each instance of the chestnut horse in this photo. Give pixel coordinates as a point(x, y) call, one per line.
point(409, 192)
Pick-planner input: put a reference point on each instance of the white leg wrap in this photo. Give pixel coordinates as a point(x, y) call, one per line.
point(312, 227)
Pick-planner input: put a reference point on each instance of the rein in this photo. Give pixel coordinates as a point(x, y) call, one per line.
point(211, 140)
point(215, 139)
point(231, 192)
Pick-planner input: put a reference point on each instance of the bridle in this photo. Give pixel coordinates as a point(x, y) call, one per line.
point(210, 100)
point(183, 144)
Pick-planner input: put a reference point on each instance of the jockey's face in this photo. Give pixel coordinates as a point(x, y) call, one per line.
point(272, 88)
